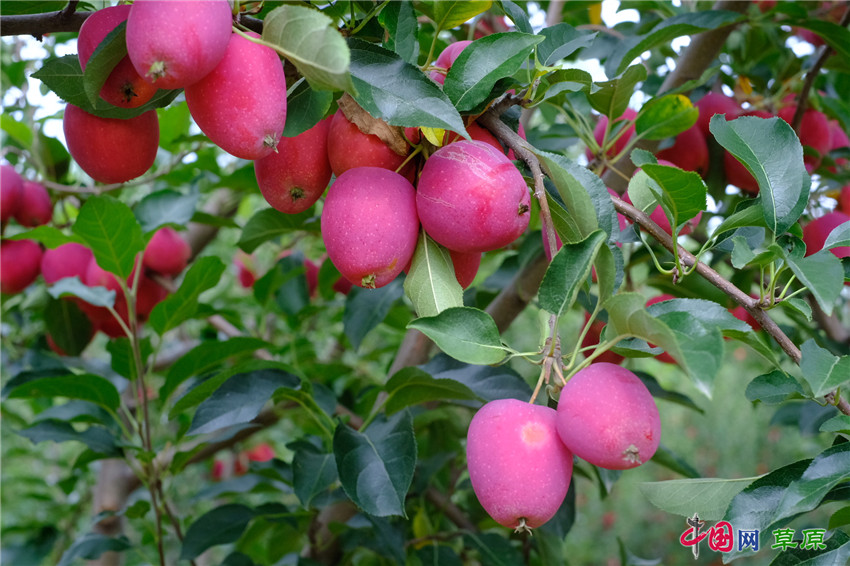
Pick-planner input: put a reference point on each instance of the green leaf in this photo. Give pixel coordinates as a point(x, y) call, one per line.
point(50, 236)
point(773, 388)
point(840, 236)
point(268, 224)
point(451, 13)
point(486, 382)
point(182, 305)
point(476, 70)
point(109, 53)
point(112, 232)
point(313, 472)
point(789, 491)
point(309, 39)
point(303, 395)
point(495, 549)
point(517, 15)
point(838, 423)
point(611, 98)
point(659, 392)
point(165, 207)
point(205, 357)
point(85, 387)
point(822, 273)
point(68, 326)
point(122, 356)
point(708, 497)
point(665, 457)
point(668, 29)
point(18, 130)
point(305, 106)
point(411, 386)
point(465, 333)
point(840, 518)
point(584, 195)
point(749, 216)
point(431, 284)
point(627, 316)
point(683, 193)
point(97, 438)
point(72, 286)
point(390, 88)
point(665, 116)
point(367, 308)
point(561, 41)
point(568, 272)
point(771, 152)
point(222, 525)
point(91, 545)
point(399, 19)
point(63, 76)
point(239, 400)
point(376, 466)
point(822, 371)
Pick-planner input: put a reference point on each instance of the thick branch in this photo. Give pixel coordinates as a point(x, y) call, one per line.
point(37, 25)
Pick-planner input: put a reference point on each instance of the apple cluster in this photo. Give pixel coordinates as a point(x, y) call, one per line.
point(520, 455)
point(235, 88)
point(165, 256)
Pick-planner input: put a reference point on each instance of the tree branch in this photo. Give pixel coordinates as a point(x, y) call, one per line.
point(37, 25)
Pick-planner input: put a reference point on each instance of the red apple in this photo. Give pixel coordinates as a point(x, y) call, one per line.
point(519, 468)
point(814, 131)
point(68, 260)
point(816, 232)
point(167, 252)
point(348, 148)
point(471, 198)
point(445, 60)
point(175, 43)
point(108, 149)
point(369, 225)
point(715, 103)
point(11, 191)
point(623, 136)
point(20, 261)
point(592, 338)
point(608, 417)
point(34, 208)
point(689, 151)
point(294, 177)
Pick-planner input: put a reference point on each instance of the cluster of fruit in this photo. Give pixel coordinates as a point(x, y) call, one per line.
point(166, 256)
point(520, 455)
point(235, 88)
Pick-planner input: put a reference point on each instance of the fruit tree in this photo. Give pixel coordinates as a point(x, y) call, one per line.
point(425, 282)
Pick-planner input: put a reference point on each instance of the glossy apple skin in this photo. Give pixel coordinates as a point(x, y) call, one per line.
point(471, 198)
point(715, 103)
point(518, 466)
point(11, 191)
point(124, 87)
point(108, 149)
point(446, 59)
point(816, 232)
point(241, 104)
point(466, 266)
point(369, 225)
point(689, 151)
point(20, 262)
point(348, 148)
point(622, 140)
point(68, 260)
point(167, 252)
point(607, 417)
point(35, 208)
point(175, 43)
point(295, 177)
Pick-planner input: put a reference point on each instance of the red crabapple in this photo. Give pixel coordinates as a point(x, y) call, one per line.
point(68, 260)
point(607, 417)
point(294, 177)
point(35, 208)
point(124, 86)
point(348, 147)
point(519, 468)
point(176, 43)
point(241, 104)
point(715, 103)
point(108, 149)
point(167, 252)
point(20, 262)
point(816, 232)
point(689, 151)
point(369, 225)
point(11, 191)
point(471, 198)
